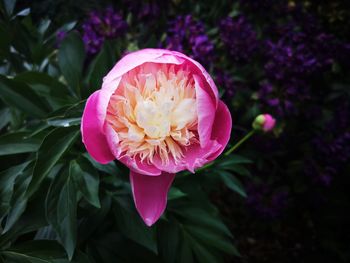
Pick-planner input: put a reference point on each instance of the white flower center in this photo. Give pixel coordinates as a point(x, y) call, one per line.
point(154, 112)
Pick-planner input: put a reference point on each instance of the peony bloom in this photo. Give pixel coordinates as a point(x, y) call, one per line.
point(264, 122)
point(158, 112)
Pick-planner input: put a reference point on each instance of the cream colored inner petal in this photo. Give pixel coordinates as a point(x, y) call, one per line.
point(154, 112)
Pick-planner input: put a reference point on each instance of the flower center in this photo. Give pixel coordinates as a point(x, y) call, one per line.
point(154, 112)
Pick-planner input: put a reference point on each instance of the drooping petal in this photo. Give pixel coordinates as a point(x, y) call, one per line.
point(92, 131)
point(150, 194)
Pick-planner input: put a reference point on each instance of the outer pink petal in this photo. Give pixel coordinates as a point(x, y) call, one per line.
point(140, 57)
point(137, 58)
point(92, 132)
point(209, 85)
point(221, 128)
point(206, 109)
point(150, 194)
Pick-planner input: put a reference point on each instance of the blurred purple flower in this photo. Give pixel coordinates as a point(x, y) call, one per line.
point(284, 97)
point(146, 10)
point(331, 148)
point(187, 34)
point(296, 55)
point(60, 35)
point(239, 38)
point(106, 24)
point(292, 61)
point(225, 81)
point(266, 202)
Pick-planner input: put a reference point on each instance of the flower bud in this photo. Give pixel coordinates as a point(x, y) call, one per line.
point(264, 122)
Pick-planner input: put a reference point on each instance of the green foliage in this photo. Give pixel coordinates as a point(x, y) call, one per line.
point(70, 59)
point(59, 205)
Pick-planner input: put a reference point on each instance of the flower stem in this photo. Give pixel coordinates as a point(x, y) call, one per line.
point(234, 147)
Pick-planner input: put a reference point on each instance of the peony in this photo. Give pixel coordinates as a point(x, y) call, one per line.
point(158, 112)
point(264, 122)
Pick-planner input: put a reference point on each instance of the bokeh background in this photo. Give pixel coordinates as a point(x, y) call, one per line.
point(289, 200)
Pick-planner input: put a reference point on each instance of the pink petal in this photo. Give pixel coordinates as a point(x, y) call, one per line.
point(221, 128)
point(206, 109)
point(150, 194)
point(137, 58)
point(92, 132)
point(208, 83)
point(269, 123)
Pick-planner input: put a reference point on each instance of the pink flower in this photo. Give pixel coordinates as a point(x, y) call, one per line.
point(264, 122)
point(158, 112)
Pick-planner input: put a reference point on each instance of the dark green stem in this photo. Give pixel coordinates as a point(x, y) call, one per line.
point(234, 147)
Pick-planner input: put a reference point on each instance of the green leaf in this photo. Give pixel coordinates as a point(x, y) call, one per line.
point(113, 247)
point(55, 144)
point(87, 180)
point(19, 200)
point(9, 6)
point(5, 117)
point(7, 182)
point(33, 218)
point(238, 169)
point(234, 159)
point(96, 219)
point(64, 122)
point(99, 67)
point(109, 168)
point(46, 232)
point(61, 209)
point(211, 238)
point(198, 216)
point(185, 252)
point(14, 143)
point(44, 26)
point(71, 57)
point(22, 97)
point(168, 236)
point(202, 254)
point(233, 183)
point(5, 42)
point(132, 226)
point(23, 12)
point(56, 93)
point(175, 193)
point(39, 251)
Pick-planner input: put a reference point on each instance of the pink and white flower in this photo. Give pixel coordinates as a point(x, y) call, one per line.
point(264, 122)
point(159, 113)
